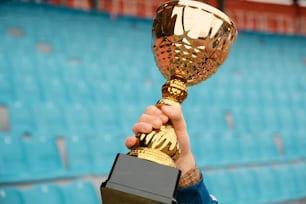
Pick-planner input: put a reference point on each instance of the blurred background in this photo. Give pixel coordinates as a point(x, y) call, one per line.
point(76, 74)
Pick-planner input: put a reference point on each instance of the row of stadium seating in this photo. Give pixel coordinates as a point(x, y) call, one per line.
point(267, 184)
point(78, 192)
point(30, 158)
point(261, 184)
point(75, 117)
point(78, 118)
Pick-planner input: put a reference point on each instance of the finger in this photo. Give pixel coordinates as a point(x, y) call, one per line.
point(131, 142)
point(155, 111)
point(155, 121)
point(152, 110)
point(142, 127)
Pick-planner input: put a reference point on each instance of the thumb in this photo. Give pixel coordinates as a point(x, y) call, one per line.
point(176, 117)
point(175, 114)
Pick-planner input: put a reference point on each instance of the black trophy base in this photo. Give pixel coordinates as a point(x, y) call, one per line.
point(138, 181)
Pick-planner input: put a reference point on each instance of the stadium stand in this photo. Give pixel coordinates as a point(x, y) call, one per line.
point(73, 83)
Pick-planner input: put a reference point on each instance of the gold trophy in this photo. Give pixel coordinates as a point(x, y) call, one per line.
point(190, 40)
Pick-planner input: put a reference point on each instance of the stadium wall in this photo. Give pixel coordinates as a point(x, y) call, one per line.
point(248, 15)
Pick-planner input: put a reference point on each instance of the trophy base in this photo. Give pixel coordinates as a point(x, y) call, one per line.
point(138, 181)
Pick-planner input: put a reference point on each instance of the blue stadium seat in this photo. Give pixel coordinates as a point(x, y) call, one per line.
point(268, 149)
point(288, 182)
point(20, 117)
point(299, 170)
point(221, 184)
point(301, 138)
point(103, 92)
point(78, 156)
point(80, 192)
point(26, 88)
point(269, 184)
point(287, 118)
point(206, 148)
point(246, 185)
point(55, 90)
point(43, 193)
point(210, 119)
point(48, 66)
point(49, 117)
point(128, 116)
point(291, 143)
point(250, 148)
point(105, 117)
point(78, 90)
point(103, 149)
point(10, 196)
point(77, 117)
point(13, 166)
point(300, 118)
point(24, 66)
point(5, 85)
point(230, 148)
point(272, 119)
point(43, 158)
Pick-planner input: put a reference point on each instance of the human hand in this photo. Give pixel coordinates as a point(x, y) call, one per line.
point(153, 118)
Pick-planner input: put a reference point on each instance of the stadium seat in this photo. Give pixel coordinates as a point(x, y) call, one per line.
point(103, 150)
point(55, 90)
point(105, 117)
point(268, 149)
point(13, 166)
point(220, 184)
point(299, 170)
point(206, 148)
point(5, 85)
point(291, 144)
point(77, 117)
point(44, 193)
point(250, 147)
point(269, 184)
point(288, 182)
point(80, 192)
point(301, 138)
point(10, 196)
point(26, 88)
point(49, 118)
point(79, 90)
point(246, 185)
point(43, 158)
point(230, 149)
point(20, 119)
point(78, 155)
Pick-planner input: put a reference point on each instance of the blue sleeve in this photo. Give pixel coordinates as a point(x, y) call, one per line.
point(195, 194)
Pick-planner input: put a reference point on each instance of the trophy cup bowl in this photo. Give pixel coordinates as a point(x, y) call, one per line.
point(190, 40)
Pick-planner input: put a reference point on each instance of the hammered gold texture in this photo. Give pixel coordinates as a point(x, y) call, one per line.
point(191, 39)
point(163, 140)
point(175, 89)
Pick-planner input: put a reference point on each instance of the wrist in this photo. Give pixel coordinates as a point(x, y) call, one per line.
point(190, 174)
point(190, 178)
point(185, 162)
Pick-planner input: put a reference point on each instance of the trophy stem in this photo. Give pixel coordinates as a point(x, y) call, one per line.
point(161, 146)
point(174, 91)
